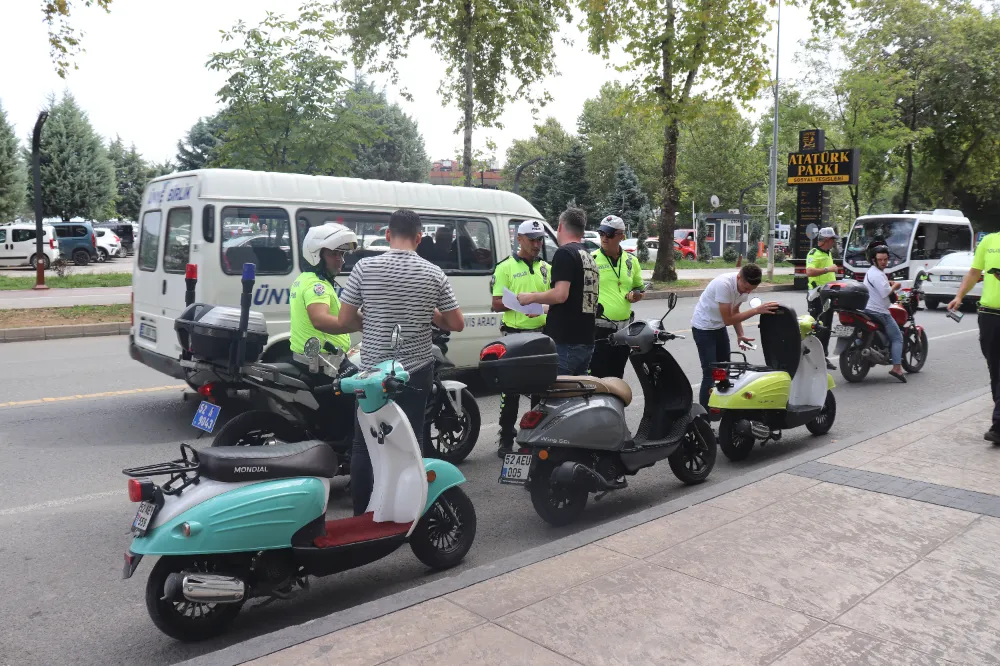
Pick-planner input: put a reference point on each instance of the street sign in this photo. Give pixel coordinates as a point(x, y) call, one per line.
point(829, 167)
point(811, 231)
point(980, 236)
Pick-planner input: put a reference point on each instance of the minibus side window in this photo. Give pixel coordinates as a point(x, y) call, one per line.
point(933, 241)
point(149, 240)
point(261, 236)
point(177, 250)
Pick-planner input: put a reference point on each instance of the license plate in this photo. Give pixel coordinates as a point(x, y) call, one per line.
point(143, 517)
point(951, 278)
point(515, 468)
point(147, 332)
point(206, 416)
point(482, 321)
point(842, 331)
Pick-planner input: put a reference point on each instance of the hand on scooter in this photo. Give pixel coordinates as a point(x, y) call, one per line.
point(746, 343)
point(766, 308)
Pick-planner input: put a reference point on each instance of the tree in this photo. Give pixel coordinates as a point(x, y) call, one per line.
point(550, 142)
point(200, 145)
point(78, 179)
point(398, 152)
point(643, 217)
point(488, 46)
point(12, 172)
point(574, 188)
point(547, 186)
point(64, 41)
point(674, 44)
point(285, 97)
point(627, 200)
point(155, 170)
point(131, 176)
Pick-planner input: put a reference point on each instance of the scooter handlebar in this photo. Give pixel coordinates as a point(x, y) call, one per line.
point(328, 388)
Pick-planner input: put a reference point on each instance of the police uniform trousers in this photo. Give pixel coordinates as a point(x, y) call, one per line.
point(815, 308)
point(608, 360)
point(989, 343)
point(509, 401)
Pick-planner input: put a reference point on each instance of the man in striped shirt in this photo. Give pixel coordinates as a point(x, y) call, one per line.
point(396, 287)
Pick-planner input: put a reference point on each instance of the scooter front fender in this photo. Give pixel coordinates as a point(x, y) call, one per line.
point(445, 475)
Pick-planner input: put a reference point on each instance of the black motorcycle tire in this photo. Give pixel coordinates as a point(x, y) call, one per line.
point(467, 437)
point(256, 428)
point(205, 620)
point(852, 366)
point(735, 447)
point(824, 421)
point(429, 540)
point(558, 506)
point(914, 344)
point(699, 438)
point(931, 303)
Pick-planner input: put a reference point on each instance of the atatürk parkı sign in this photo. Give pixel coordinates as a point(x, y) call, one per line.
point(827, 167)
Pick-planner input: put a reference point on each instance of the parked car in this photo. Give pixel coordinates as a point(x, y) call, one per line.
point(125, 232)
point(108, 244)
point(686, 252)
point(77, 242)
point(943, 280)
point(18, 246)
point(688, 241)
point(630, 245)
point(592, 236)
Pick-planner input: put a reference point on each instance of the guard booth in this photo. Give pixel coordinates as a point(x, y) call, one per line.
point(725, 230)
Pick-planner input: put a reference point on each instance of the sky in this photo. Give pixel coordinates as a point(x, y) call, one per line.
point(143, 74)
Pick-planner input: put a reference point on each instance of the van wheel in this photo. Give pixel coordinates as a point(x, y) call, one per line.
point(81, 257)
point(45, 261)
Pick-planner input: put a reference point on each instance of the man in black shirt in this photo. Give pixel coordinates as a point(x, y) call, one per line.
point(572, 300)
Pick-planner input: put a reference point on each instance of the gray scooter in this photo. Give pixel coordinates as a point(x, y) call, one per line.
point(575, 441)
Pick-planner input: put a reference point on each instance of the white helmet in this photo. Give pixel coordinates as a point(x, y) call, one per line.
point(332, 236)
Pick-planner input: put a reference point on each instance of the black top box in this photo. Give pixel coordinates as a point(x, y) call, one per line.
point(520, 363)
point(845, 294)
point(209, 331)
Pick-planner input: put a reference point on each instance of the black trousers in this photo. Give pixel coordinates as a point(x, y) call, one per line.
point(413, 403)
point(510, 402)
point(815, 307)
point(608, 360)
point(989, 342)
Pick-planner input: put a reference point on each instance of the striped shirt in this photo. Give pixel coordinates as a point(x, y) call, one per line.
point(397, 287)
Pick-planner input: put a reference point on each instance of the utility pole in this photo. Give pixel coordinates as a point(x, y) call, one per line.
point(36, 167)
point(772, 195)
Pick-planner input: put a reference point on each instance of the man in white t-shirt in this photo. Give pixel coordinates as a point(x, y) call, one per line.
point(880, 288)
point(717, 308)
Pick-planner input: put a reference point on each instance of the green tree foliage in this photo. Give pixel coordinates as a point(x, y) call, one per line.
point(398, 152)
point(627, 200)
point(13, 174)
point(550, 142)
point(495, 50)
point(574, 187)
point(547, 188)
point(78, 179)
point(285, 97)
point(131, 174)
point(676, 44)
point(198, 148)
point(64, 41)
point(643, 218)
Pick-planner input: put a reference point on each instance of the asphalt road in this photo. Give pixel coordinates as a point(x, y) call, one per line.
point(82, 410)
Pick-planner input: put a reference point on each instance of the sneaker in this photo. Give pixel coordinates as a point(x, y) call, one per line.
point(504, 450)
point(829, 365)
point(992, 436)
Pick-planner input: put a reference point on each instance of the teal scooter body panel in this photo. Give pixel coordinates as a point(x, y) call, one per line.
point(446, 476)
point(260, 516)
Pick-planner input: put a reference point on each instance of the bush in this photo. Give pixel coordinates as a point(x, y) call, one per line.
point(678, 256)
point(779, 256)
point(729, 255)
point(61, 267)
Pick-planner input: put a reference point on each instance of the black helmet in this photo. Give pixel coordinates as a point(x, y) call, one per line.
point(876, 247)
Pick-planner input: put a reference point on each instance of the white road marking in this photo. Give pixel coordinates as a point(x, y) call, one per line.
point(948, 335)
point(56, 504)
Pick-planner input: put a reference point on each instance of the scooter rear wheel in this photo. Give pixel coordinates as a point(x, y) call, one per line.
point(445, 533)
point(556, 505)
point(734, 445)
point(853, 366)
point(186, 620)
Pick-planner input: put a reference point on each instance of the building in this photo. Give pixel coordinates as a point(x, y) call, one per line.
point(449, 172)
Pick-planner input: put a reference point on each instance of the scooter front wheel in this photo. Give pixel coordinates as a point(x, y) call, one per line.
point(735, 445)
point(824, 421)
point(182, 619)
point(693, 461)
point(446, 531)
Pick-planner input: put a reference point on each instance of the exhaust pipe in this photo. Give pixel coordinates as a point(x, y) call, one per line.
point(570, 473)
point(204, 588)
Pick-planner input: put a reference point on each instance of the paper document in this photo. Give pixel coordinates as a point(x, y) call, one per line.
point(510, 302)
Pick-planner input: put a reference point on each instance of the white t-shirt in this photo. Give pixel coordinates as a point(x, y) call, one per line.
point(878, 290)
point(722, 289)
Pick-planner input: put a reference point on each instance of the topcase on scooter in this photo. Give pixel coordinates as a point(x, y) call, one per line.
point(208, 332)
point(845, 294)
point(520, 363)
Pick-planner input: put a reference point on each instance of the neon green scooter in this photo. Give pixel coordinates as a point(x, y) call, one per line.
point(793, 389)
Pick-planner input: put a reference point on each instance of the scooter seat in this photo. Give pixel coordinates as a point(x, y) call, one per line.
point(296, 371)
point(570, 386)
point(255, 463)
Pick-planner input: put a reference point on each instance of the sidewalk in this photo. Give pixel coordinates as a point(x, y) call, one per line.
point(883, 552)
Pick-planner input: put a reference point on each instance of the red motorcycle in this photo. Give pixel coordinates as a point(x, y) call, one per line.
point(862, 342)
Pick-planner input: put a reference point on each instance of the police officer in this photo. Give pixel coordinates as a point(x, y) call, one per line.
point(986, 260)
point(620, 286)
point(313, 300)
point(522, 272)
point(820, 270)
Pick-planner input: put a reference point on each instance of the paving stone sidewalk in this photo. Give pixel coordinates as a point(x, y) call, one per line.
point(882, 553)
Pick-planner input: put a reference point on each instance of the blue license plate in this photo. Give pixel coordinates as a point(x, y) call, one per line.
point(206, 416)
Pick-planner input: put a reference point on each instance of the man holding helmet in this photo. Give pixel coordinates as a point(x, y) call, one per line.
point(621, 285)
point(880, 289)
point(313, 299)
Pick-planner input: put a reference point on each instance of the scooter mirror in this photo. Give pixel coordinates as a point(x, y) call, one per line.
point(755, 302)
point(826, 306)
point(672, 300)
point(396, 338)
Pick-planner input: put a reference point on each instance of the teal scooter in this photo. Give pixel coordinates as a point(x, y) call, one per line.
point(235, 523)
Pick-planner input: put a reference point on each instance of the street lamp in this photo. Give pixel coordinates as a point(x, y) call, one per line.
point(36, 148)
point(517, 174)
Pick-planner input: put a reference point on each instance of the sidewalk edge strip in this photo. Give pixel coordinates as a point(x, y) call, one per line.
point(34, 333)
point(261, 646)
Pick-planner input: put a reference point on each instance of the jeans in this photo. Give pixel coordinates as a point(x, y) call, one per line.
point(574, 359)
point(713, 347)
point(895, 335)
point(608, 360)
point(815, 307)
point(413, 403)
point(989, 343)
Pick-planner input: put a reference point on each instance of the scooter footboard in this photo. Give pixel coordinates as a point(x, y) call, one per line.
point(444, 475)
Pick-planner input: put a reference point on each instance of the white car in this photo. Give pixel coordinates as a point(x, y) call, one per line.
point(944, 280)
point(630, 245)
point(18, 245)
point(108, 244)
point(592, 235)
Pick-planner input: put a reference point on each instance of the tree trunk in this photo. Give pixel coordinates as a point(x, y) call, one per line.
point(665, 270)
point(855, 198)
point(469, 101)
point(905, 203)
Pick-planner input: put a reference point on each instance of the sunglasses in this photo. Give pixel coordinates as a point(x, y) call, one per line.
point(609, 234)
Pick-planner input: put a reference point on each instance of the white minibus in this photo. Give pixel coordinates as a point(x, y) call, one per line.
point(220, 219)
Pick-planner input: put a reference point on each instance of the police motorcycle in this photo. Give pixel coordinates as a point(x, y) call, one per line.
point(236, 523)
point(793, 388)
point(576, 441)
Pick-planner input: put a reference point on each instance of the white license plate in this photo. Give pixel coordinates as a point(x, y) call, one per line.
point(951, 278)
point(142, 518)
point(147, 332)
point(515, 468)
point(482, 321)
point(842, 331)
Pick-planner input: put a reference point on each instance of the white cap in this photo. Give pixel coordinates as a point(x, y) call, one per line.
point(531, 229)
point(611, 224)
point(827, 232)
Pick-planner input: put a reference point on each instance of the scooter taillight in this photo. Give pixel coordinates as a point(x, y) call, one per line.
point(140, 490)
point(719, 374)
point(531, 419)
point(847, 318)
point(493, 352)
point(208, 391)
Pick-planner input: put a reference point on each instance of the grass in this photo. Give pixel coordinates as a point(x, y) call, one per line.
point(780, 279)
point(714, 263)
point(77, 314)
point(68, 282)
point(679, 284)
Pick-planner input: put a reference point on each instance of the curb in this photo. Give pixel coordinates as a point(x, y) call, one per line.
point(62, 332)
point(261, 646)
point(690, 293)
